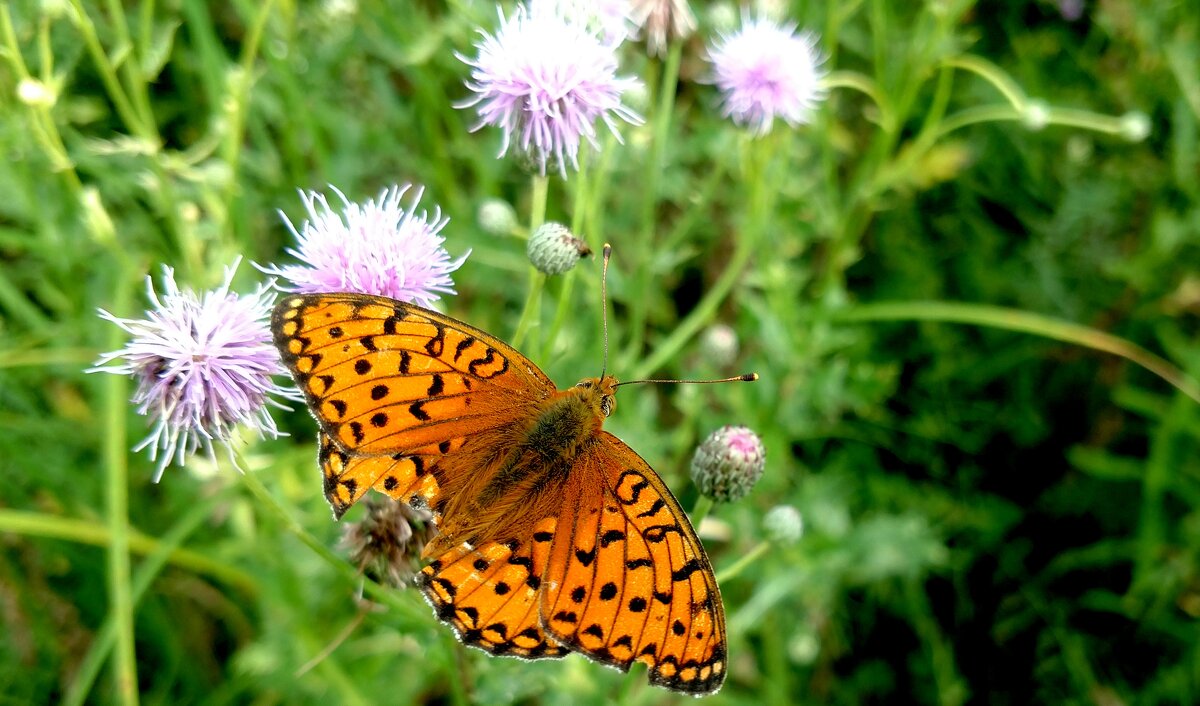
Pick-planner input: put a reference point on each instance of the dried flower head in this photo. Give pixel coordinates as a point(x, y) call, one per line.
point(203, 365)
point(766, 71)
point(660, 20)
point(545, 78)
point(554, 250)
point(379, 247)
point(728, 463)
point(386, 545)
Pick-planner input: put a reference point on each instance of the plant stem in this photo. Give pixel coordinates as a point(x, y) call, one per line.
point(120, 597)
point(533, 300)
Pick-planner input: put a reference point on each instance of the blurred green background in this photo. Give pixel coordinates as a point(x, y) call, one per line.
point(995, 511)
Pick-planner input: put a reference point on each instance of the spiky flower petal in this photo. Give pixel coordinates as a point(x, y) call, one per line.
point(545, 78)
point(378, 247)
point(766, 71)
point(203, 365)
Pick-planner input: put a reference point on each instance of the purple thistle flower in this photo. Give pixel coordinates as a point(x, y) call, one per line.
point(544, 78)
point(378, 247)
point(765, 71)
point(203, 365)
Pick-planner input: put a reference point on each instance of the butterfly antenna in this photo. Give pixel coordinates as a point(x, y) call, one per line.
point(747, 377)
point(604, 305)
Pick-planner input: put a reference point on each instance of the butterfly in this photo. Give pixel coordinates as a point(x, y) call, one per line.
point(553, 535)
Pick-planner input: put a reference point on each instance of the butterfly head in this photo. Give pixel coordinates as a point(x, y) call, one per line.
point(600, 393)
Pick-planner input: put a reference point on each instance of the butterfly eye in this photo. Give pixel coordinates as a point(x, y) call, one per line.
point(606, 405)
point(586, 384)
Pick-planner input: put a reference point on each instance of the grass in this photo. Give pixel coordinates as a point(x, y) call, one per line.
point(969, 288)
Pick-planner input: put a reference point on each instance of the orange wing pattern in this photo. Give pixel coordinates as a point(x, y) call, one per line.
point(395, 388)
point(382, 376)
point(630, 581)
point(348, 477)
point(576, 544)
point(489, 594)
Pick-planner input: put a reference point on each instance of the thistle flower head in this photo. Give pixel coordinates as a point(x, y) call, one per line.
point(766, 71)
point(386, 545)
point(554, 250)
point(660, 20)
point(378, 247)
point(202, 364)
point(545, 78)
point(728, 463)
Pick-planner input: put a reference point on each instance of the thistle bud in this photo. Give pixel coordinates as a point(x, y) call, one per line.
point(783, 524)
point(553, 250)
point(728, 463)
point(497, 217)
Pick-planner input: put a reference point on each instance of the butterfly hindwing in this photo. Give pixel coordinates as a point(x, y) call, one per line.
point(630, 581)
point(347, 477)
point(383, 377)
point(489, 595)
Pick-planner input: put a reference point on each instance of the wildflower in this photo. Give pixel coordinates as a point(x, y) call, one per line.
point(765, 71)
point(386, 545)
point(728, 463)
point(660, 18)
point(553, 249)
point(378, 247)
point(203, 365)
point(544, 79)
point(783, 524)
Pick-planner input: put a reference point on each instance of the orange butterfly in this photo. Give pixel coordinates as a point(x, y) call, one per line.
point(554, 536)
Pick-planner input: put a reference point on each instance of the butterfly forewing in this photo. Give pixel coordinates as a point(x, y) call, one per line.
point(383, 376)
point(631, 582)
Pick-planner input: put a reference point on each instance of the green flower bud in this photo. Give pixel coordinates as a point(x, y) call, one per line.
point(783, 524)
point(553, 250)
point(728, 463)
point(497, 217)
point(719, 344)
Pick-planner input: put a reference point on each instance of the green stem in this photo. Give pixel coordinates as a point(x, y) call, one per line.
point(33, 524)
point(163, 552)
point(533, 300)
point(700, 316)
point(745, 560)
point(700, 510)
point(645, 247)
point(377, 593)
point(120, 598)
point(579, 213)
point(45, 129)
point(1023, 322)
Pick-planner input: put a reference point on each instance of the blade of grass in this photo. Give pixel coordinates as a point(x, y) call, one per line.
point(1023, 322)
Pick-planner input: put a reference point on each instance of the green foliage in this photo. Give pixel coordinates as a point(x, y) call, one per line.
point(990, 517)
